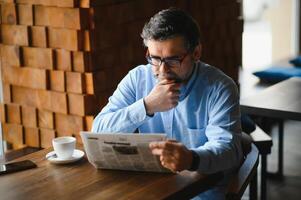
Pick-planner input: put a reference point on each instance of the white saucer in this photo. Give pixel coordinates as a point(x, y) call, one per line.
point(77, 154)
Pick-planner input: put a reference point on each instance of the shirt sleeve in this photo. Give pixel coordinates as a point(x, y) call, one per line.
point(123, 113)
point(222, 151)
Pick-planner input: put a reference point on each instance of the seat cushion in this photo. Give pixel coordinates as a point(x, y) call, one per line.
point(277, 74)
point(296, 61)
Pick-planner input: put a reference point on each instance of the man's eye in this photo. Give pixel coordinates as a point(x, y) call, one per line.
point(173, 62)
point(155, 60)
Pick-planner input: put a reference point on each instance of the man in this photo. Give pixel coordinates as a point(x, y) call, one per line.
point(195, 104)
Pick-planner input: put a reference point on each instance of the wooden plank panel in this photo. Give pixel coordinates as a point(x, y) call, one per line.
point(81, 61)
point(10, 55)
point(58, 102)
point(32, 137)
point(82, 104)
point(46, 137)
point(63, 60)
point(70, 18)
point(38, 36)
point(39, 2)
point(7, 1)
point(2, 113)
point(13, 133)
point(75, 82)
point(98, 81)
point(69, 3)
point(27, 77)
point(45, 119)
point(25, 14)
point(29, 116)
point(41, 16)
point(26, 96)
point(62, 38)
point(78, 139)
point(8, 13)
point(38, 57)
point(68, 124)
point(42, 99)
point(59, 3)
point(89, 83)
point(7, 97)
point(14, 34)
point(64, 133)
point(75, 18)
point(66, 39)
point(13, 113)
point(57, 80)
point(88, 123)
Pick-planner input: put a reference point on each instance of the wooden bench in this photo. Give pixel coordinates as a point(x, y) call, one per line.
point(244, 176)
point(264, 144)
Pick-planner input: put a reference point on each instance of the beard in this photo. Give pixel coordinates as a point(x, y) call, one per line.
point(168, 76)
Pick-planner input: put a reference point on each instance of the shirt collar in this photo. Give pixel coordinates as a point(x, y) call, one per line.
point(186, 88)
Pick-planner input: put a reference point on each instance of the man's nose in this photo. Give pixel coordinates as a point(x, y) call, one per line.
point(163, 68)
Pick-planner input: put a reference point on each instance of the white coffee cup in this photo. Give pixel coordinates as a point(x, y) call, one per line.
point(64, 146)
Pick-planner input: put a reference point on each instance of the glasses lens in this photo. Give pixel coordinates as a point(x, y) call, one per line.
point(157, 61)
point(173, 63)
point(153, 61)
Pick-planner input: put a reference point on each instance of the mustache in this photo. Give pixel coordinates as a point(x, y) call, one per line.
point(168, 77)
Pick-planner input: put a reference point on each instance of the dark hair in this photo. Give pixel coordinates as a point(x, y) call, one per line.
point(170, 23)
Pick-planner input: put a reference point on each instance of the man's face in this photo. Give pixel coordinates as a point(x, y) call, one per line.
point(172, 49)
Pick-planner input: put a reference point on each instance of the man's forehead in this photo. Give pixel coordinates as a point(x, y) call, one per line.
point(172, 46)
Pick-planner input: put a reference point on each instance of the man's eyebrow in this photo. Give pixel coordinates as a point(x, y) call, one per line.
point(168, 58)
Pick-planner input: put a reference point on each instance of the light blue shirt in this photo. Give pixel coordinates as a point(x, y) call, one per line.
point(206, 119)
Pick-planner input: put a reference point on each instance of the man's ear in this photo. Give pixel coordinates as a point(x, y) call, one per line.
point(197, 52)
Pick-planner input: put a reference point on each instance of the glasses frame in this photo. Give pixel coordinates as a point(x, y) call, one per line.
point(164, 60)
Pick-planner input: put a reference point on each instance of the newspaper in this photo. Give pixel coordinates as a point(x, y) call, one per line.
point(122, 151)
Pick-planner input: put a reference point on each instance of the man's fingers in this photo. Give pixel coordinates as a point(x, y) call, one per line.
point(172, 83)
point(165, 162)
point(169, 165)
point(168, 149)
point(166, 82)
point(157, 151)
point(160, 145)
point(172, 154)
point(167, 145)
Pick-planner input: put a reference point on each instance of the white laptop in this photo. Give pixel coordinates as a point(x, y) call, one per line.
point(122, 151)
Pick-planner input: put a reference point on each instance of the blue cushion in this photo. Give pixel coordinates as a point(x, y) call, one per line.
point(296, 61)
point(276, 74)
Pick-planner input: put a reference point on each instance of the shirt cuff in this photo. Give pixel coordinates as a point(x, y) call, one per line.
point(138, 112)
point(205, 164)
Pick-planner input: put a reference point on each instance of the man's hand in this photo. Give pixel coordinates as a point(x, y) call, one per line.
point(173, 155)
point(164, 96)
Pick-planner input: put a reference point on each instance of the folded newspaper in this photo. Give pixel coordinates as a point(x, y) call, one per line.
point(122, 151)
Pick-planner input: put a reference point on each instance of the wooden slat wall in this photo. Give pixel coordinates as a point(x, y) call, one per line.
point(61, 59)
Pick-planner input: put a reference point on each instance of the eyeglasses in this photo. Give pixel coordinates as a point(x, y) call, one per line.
point(171, 62)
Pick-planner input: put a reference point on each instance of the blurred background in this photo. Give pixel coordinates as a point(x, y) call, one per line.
point(61, 60)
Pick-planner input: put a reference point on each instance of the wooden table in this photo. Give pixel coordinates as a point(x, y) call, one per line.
point(81, 180)
point(281, 101)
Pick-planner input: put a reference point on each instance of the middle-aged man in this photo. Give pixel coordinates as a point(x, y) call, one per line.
point(195, 104)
